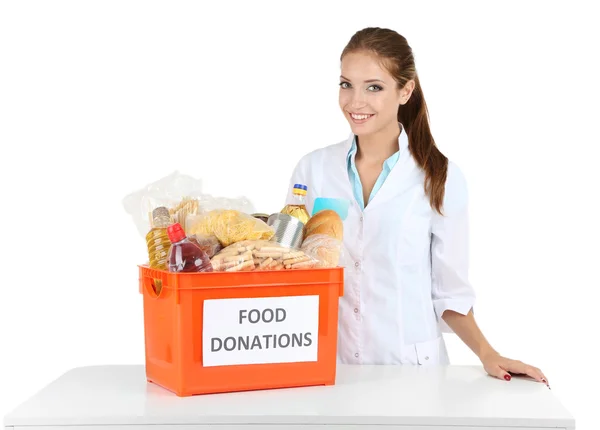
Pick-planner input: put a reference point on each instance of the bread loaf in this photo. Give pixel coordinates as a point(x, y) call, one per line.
point(326, 222)
point(323, 235)
point(325, 249)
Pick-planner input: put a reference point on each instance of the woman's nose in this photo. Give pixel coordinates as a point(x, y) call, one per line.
point(358, 101)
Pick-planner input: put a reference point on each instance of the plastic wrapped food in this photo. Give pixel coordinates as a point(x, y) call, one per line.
point(324, 248)
point(183, 196)
point(186, 207)
point(168, 191)
point(260, 255)
point(208, 244)
point(229, 226)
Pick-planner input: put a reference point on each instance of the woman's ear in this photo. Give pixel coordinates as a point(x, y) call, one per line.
point(406, 92)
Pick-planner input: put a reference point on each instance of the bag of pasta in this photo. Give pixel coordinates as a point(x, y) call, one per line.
point(229, 226)
point(260, 255)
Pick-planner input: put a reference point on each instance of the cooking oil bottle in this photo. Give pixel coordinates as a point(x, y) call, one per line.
point(157, 239)
point(298, 208)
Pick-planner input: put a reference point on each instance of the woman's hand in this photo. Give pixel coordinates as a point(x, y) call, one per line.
point(502, 368)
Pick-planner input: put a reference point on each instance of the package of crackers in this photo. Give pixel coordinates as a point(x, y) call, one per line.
point(261, 255)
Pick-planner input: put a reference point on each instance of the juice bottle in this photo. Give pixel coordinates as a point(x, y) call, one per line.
point(185, 256)
point(157, 239)
point(298, 208)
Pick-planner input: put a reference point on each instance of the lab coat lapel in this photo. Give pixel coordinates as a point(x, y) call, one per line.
point(403, 176)
point(340, 175)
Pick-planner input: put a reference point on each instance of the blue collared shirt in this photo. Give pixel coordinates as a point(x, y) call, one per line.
point(355, 178)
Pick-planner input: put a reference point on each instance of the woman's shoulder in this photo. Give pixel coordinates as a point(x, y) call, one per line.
point(325, 153)
point(456, 193)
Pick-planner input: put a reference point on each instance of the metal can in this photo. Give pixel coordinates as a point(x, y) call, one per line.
point(288, 230)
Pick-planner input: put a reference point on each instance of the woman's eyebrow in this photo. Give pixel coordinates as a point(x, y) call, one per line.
point(368, 81)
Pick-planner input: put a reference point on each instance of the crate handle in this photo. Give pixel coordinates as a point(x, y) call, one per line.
point(150, 286)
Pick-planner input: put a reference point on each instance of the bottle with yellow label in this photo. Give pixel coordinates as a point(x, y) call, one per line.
point(157, 239)
point(298, 208)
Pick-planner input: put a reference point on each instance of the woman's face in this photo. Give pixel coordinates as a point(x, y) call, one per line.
point(369, 95)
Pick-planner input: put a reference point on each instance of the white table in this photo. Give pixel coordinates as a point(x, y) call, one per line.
point(364, 397)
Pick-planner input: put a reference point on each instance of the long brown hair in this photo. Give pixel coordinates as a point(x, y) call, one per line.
point(397, 58)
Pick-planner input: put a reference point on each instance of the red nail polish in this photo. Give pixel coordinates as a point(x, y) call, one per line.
point(507, 377)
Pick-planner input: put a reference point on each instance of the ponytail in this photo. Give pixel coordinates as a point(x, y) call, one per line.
point(415, 119)
point(397, 56)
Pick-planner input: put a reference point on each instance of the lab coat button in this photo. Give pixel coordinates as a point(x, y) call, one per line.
point(361, 219)
point(426, 357)
point(356, 264)
point(356, 355)
point(355, 310)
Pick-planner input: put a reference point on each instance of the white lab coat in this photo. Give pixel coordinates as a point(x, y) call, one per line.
point(404, 263)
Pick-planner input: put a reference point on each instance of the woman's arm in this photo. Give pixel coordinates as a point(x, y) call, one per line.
point(467, 330)
point(452, 294)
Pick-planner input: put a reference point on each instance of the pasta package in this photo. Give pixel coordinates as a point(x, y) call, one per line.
point(186, 207)
point(229, 226)
point(260, 255)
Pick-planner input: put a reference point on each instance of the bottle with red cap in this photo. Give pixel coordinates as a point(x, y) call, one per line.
point(184, 255)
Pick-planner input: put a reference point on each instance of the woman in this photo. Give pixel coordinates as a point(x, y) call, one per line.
point(406, 232)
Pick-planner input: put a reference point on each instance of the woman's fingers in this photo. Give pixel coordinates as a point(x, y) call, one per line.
point(500, 373)
point(520, 368)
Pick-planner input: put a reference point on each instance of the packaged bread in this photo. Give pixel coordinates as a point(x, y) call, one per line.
point(323, 236)
point(325, 249)
point(260, 255)
point(325, 222)
point(209, 244)
point(229, 226)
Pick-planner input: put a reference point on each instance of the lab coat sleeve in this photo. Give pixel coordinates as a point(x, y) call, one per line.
point(451, 289)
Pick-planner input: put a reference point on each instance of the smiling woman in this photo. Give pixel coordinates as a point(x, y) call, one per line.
point(406, 232)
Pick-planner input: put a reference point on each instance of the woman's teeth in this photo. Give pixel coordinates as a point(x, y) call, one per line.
point(359, 117)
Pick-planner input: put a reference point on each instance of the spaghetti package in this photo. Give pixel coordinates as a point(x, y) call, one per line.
point(183, 196)
point(229, 226)
point(259, 255)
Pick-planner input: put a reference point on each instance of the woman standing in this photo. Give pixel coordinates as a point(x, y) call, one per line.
point(406, 233)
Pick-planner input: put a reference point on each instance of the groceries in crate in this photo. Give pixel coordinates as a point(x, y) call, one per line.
point(187, 207)
point(261, 216)
point(298, 208)
point(203, 233)
point(207, 243)
point(157, 239)
point(288, 230)
point(230, 226)
point(259, 255)
point(323, 236)
point(184, 255)
point(326, 222)
point(321, 246)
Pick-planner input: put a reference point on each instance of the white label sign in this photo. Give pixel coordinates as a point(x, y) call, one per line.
point(260, 330)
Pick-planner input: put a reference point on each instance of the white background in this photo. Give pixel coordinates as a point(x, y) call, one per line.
point(221, 319)
point(99, 98)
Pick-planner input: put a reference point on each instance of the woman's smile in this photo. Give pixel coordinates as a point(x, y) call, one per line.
point(360, 118)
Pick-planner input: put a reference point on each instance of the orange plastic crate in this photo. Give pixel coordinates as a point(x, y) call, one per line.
point(173, 326)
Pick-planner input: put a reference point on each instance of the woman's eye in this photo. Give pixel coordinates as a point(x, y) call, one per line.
point(376, 88)
point(344, 85)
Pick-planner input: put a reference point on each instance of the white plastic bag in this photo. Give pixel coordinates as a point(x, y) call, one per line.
point(170, 191)
point(167, 191)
